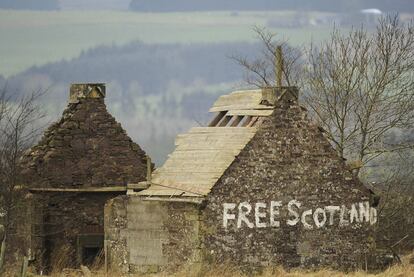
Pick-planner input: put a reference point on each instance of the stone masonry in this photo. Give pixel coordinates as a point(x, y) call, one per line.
point(151, 236)
point(287, 199)
point(289, 161)
point(86, 147)
point(81, 162)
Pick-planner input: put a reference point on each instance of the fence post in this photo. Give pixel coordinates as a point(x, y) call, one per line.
point(2, 253)
point(24, 266)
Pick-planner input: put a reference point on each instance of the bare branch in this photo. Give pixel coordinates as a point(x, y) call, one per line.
point(19, 128)
point(261, 71)
point(360, 84)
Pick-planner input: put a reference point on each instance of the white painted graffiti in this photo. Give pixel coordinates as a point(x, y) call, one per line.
point(264, 215)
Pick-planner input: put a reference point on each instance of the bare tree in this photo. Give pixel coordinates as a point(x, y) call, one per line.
point(262, 71)
point(361, 87)
point(19, 118)
point(2, 104)
point(395, 211)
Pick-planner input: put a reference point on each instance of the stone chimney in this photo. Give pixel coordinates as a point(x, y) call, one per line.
point(273, 94)
point(86, 91)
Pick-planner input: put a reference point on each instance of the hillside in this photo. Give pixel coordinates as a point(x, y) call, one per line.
point(49, 36)
point(154, 90)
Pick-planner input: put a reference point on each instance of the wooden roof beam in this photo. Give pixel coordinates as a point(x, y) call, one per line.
point(217, 119)
point(237, 121)
point(225, 121)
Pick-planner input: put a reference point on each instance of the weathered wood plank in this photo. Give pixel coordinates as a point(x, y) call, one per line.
point(190, 177)
point(209, 143)
point(140, 185)
point(88, 189)
point(217, 119)
point(204, 153)
point(251, 112)
point(246, 91)
point(166, 192)
point(194, 164)
point(237, 121)
point(253, 121)
point(247, 121)
point(213, 146)
point(177, 189)
point(195, 200)
point(234, 130)
point(215, 140)
point(239, 98)
point(247, 106)
point(225, 121)
point(211, 138)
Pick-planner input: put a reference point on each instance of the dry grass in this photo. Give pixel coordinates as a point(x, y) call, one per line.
point(406, 269)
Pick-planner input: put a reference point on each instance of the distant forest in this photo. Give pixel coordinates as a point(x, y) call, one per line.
point(155, 91)
point(241, 5)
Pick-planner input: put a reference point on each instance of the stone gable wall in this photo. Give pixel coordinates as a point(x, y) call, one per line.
point(86, 147)
point(273, 205)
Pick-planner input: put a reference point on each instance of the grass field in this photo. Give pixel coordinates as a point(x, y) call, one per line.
point(406, 269)
point(30, 38)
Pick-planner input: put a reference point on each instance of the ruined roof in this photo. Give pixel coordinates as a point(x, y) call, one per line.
point(86, 148)
point(203, 154)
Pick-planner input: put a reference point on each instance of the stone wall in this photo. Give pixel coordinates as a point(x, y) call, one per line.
point(151, 236)
point(86, 147)
point(58, 220)
point(86, 150)
point(288, 199)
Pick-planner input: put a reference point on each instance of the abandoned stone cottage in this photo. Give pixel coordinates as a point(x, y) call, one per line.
point(260, 186)
point(82, 161)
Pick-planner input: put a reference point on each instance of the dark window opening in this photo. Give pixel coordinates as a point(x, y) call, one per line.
point(90, 249)
point(90, 255)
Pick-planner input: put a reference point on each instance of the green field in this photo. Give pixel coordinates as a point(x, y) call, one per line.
point(34, 38)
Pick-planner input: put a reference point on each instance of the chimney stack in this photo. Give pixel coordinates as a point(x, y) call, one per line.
point(86, 91)
point(273, 94)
